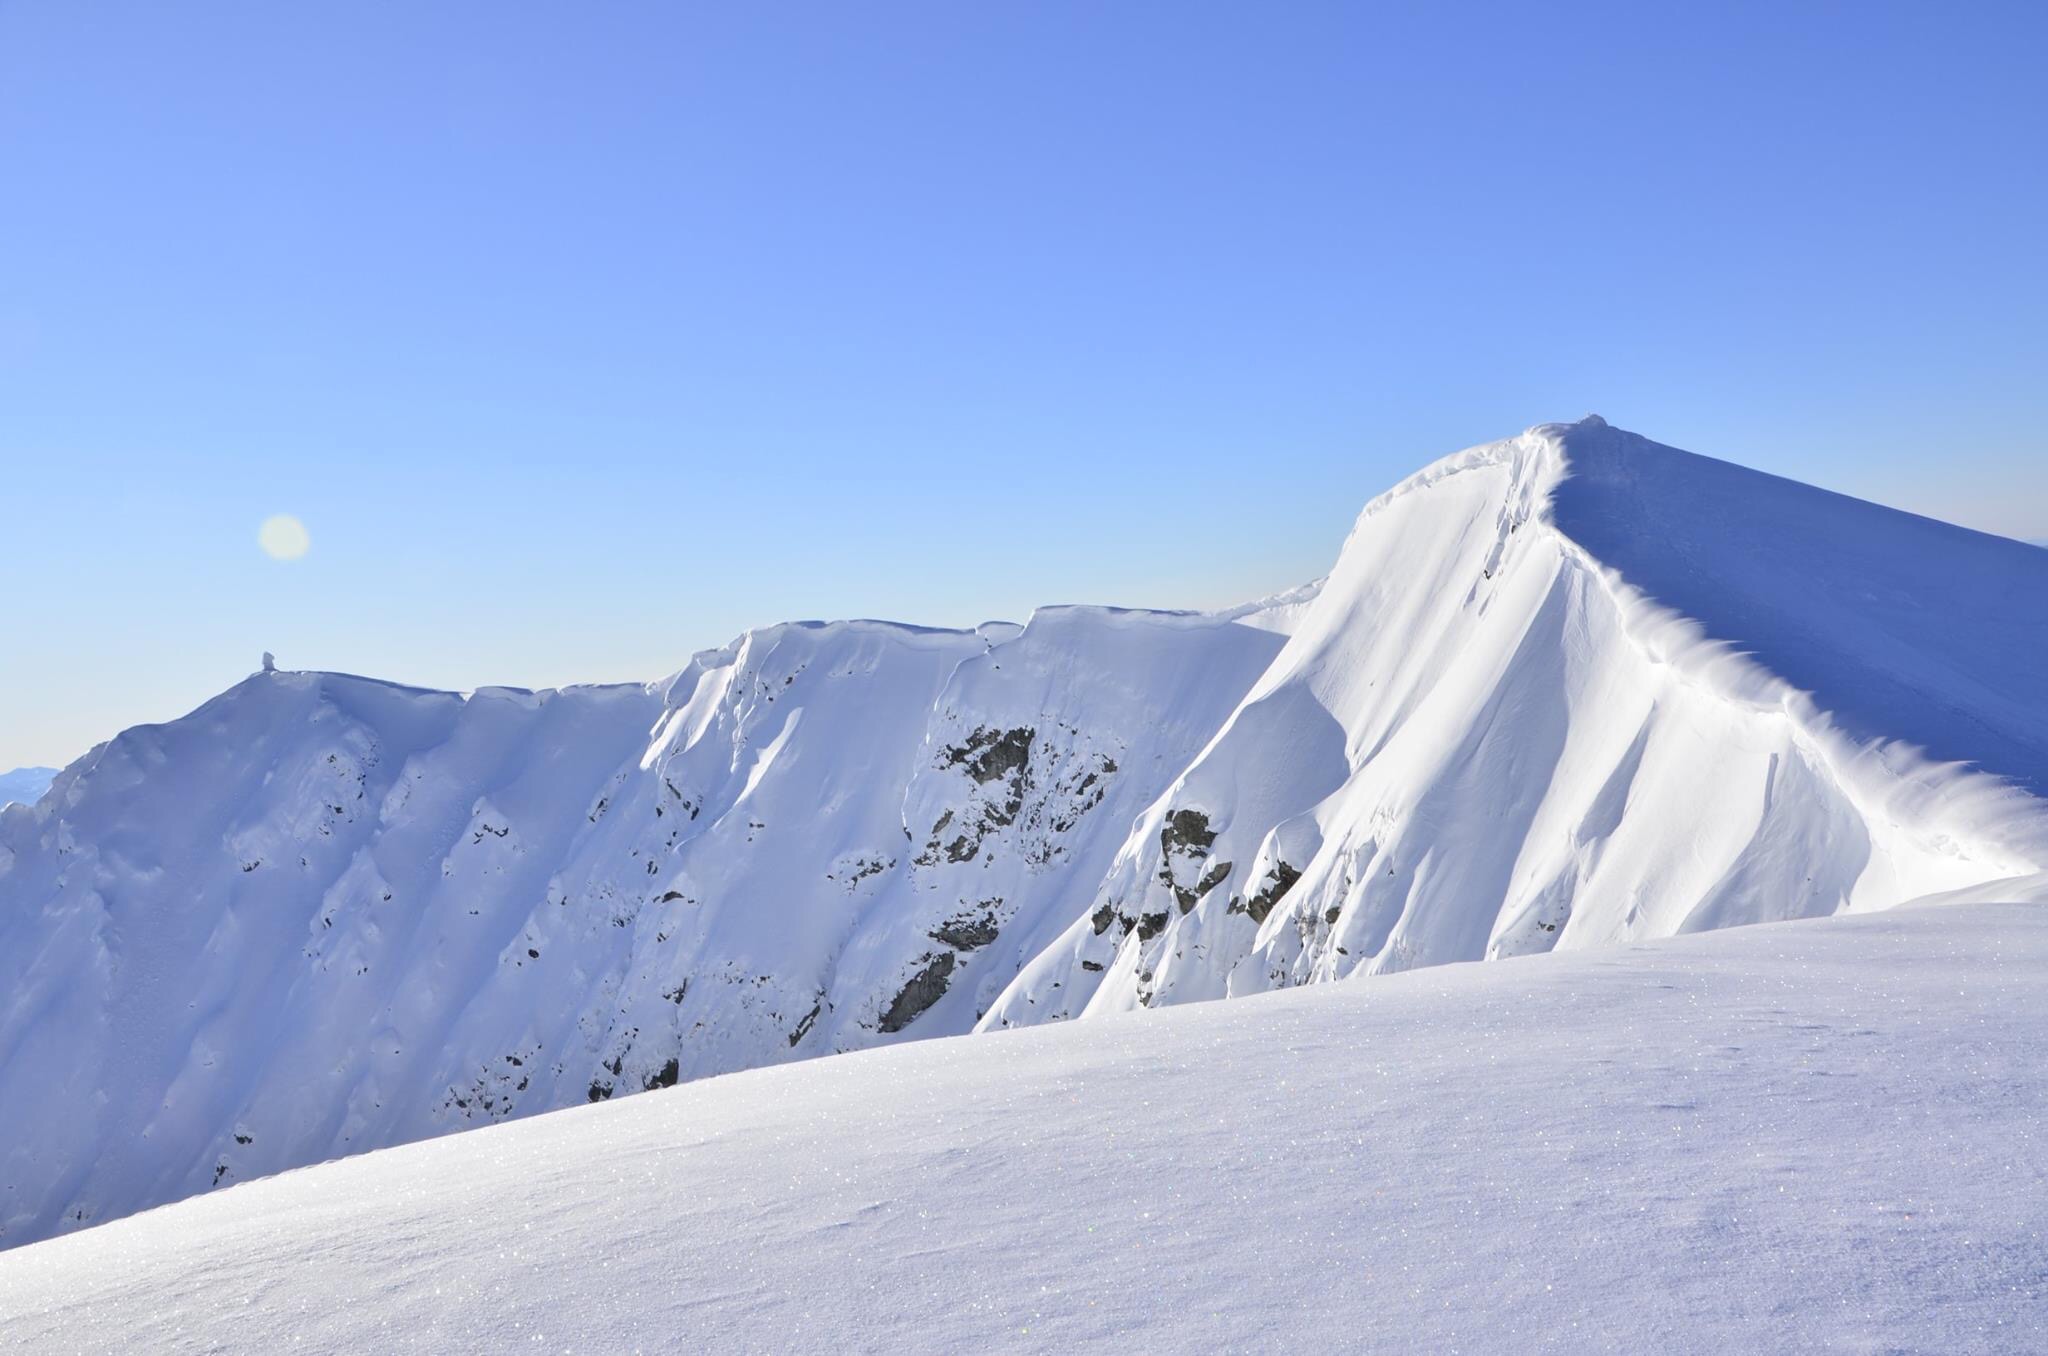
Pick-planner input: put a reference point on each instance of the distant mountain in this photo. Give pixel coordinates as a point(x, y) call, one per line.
point(1563, 690)
point(25, 785)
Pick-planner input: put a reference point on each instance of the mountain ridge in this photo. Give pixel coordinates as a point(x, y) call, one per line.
point(323, 914)
point(1478, 526)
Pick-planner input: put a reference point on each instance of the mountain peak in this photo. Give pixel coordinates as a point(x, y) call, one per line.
point(1569, 688)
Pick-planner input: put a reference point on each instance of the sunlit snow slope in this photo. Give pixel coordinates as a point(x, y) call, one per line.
point(1810, 1137)
point(1577, 687)
point(1565, 689)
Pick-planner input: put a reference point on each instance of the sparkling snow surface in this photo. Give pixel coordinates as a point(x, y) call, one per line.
point(1822, 1136)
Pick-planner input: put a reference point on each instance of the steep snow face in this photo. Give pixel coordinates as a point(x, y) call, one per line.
point(323, 914)
point(1812, 1137)
point(25, 785)
point(1577, 687)
point(1561, 690)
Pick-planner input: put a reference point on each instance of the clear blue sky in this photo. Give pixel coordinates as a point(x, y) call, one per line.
point(583, 337)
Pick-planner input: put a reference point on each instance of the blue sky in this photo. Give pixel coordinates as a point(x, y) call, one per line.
point(584, 337)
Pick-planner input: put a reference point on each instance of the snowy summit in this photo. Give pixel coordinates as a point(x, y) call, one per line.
point(1570, 692)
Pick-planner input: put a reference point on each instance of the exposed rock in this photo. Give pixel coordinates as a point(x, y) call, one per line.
point(989, 754)
point(1271, 891)
point(925, 988)
point(971, 929)
point(1186, 836)
point(854, 868)
point(1187, 832)
point(803, 1028)
point(1211, 878)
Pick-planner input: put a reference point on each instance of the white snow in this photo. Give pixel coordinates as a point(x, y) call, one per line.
point(1577, 687)
point(1820, 1136)
point(323, 914)
point(1562, 691)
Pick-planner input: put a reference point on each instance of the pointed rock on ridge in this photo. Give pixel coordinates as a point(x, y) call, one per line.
point(1558, 690)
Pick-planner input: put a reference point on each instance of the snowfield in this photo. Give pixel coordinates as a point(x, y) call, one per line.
point(1565, 691)
point(1821, 1136)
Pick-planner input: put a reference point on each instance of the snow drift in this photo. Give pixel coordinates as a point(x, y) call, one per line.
point(1574, 688)
point(1566, 689)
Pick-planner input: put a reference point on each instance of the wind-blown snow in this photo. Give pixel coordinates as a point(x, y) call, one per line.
point(1565, 690)
point(1899, 627)
point(1577, 687)
point(1815, 1137)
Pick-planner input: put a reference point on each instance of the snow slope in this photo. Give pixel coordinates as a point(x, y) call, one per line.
point(323, 913)
point(25, 785)
point(1577, 687)
point(1817, 1136)
point(1564, 690)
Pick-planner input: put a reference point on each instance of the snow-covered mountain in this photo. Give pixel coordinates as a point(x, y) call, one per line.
point(1562, 690)
point(1817, 1136)
point(25, 785)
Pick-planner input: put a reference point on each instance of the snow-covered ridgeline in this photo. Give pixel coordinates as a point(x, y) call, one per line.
point(1504, 727)
point(1564, 689)
point(323, 914)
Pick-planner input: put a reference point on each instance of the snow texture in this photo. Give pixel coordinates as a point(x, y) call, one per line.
point(1567, 690)
point(1818, 1136)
